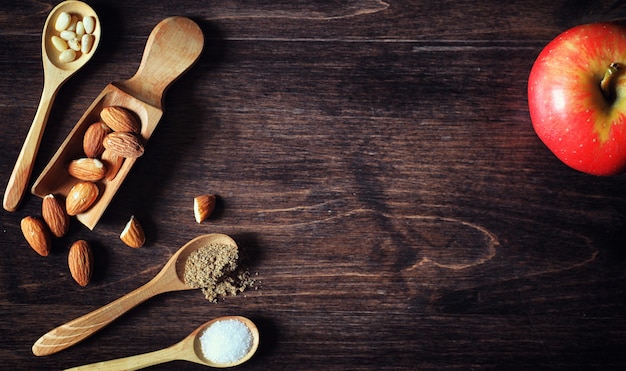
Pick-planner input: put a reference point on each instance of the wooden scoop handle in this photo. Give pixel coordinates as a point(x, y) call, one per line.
point(173, 46)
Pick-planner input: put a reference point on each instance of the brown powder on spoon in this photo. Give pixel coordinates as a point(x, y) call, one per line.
point(215, 269)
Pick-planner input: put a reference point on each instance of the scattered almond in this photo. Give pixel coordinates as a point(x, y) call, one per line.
point(80, 198)
point(90, 169)
point(112, 162)
point(55, 216)
point(37, 235)
point(120, 119)
point(123, 144)
point(80, 261)
point(203, 206)
point(94, 136)
point(133, 235)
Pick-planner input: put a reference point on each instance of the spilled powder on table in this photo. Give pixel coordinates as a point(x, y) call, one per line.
point(215, 268)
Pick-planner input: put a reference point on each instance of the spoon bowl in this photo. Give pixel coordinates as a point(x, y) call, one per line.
point(55, 75)
point(170, 278)
point(189, 349)
point(197, 346)
point(50, 53)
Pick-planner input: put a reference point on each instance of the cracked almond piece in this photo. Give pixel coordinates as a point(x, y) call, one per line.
point(55, 216)
point(133, 235)
point(203, 206)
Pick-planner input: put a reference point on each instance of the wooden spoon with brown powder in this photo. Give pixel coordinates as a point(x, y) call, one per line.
point(170, 278)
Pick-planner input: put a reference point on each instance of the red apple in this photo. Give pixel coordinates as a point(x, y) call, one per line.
point(577, 98)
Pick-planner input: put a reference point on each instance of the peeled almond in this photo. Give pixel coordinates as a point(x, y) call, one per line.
point(133, 235)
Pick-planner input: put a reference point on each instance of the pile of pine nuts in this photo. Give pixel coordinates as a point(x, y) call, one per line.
point(74, 36)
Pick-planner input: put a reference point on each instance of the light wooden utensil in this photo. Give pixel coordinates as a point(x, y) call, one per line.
point(189, 349)
point(173, 46)
point(170, 278)
point(55, 74)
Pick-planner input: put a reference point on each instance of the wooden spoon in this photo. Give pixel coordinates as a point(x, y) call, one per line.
point(55, 74)
point(173, 46)
point(189, 349)
point(170, 278)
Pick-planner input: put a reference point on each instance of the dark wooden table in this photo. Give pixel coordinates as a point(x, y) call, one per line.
point(376, 163)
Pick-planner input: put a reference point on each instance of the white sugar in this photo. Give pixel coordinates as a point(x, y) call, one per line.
point(226, 341)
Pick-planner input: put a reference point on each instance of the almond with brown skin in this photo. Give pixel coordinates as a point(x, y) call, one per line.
point(133, 234)
point(112, 162)
point(203, 206)
point(80, 261)
point(37, 235)
point(122, 144)
point(90, 169)
point(80, 198)
point(94, 136)
point(55, 216)
point(120, 119)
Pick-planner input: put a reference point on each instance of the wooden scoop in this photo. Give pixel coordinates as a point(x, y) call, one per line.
point(174, 45)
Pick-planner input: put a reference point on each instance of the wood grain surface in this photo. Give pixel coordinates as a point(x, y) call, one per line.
point(375, 162)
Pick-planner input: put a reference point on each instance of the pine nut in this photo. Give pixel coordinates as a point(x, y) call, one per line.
point(86, 43)
point(59, 43)
point(90, 24)
point(67, 56)
point(62, 22)
point(74, 44)
point(80, 29)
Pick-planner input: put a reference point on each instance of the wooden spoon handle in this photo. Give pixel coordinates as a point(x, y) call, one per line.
point(175, 352)
point(81, 328)
point(26, 159)
point(172, 48)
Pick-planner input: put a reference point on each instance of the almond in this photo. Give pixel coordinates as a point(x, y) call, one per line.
point(90, 169)
point(203, 206)
point(80, 261)
point(120, 119)
point(37, 235)
point(81, 197)
point(94, 136)
point(112, 162)
point(133, 235)
point(122, 144)
point(55, 216)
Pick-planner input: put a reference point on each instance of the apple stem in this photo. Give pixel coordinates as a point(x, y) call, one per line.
point(607, 81)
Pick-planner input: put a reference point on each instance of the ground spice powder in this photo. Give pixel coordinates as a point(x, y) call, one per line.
point(216, 269)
